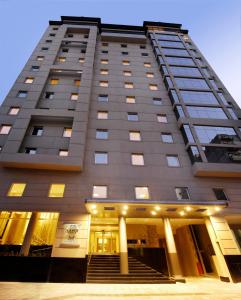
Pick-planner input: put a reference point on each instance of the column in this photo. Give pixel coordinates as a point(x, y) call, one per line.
point(123, 246)
point(219, 260)
point(171, 249)
point(29, 233)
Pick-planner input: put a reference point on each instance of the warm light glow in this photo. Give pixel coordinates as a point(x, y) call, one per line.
point(123, 212)
point(93, 206)
point(188, 208)
point(153, 212)
point(157, 208)
point(95, 211)
point(182, 213)
point(16, 189)
point(56, 190)
point(209, 213)
point(217, 208)
point(125, 207)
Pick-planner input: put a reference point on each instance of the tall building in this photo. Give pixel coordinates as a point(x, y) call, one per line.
point(120, 140)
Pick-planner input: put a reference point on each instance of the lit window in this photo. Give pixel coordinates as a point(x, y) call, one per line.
point(147, 65)
point(13, 110)
point(149, 75)
point(74, 96)
point(35, 68)
point(127, 73)
point(22, 94)
point(153, 87)
point(54, 81)
point(132, 116)
point(130, 99)
point(67, 132)
point(135, 136)
point(173, 161)
point(5, 129)
point(101, 158)
point(104, 72)
point(102, 115)
point(56, 190)
point(61, 59)
point(125, 62)
point(16, 190)
point(142, 192)
point(40, 58)
point(137, 159)
point(101, 134)
point(77, 82)
point(220, 194)
point(81, 60)
point(129, 85)
point(103, 98)
point(182, 193)
point(37, 130)
point(99, 191)
point(63, 152)
point(30, 150)
point(157, 101)
point(104, 83)
point(167, 138)
point(29, 80)
point(162, 118)
point(104, 61)
point(49, 95)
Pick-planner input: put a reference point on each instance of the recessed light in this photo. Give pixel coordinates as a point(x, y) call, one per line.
point(209, 213)
point(95, 211)
point(123, 212)
point(181, 213)
point(217, 208)
point(188, 208)
point(125, 207)
point(93, 206)
point(153, 212)
point(157, 208)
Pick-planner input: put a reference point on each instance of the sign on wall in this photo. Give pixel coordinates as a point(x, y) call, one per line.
point(71, 236)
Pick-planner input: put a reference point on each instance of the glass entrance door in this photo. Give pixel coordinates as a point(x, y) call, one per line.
point(104, 242)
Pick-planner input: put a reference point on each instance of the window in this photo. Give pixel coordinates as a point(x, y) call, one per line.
point(220, 194)
point(13, 110)
point(153, 87)
point(124, 53)
point(130, 99)
point(101, 158)
point(104, 52)
point(67, 132)
point(147, 64)
point(49, 95)
point(5, 129)
point(86, 36)
point(105, 44)
point(74, 96)
point(70, 35)
point(30, 150)
point(103, 98)
point(135, 136)
point(137, 159)
point(177, 52)
point(40, 58)
point(162, 118)
point(180, 61)
point(167, 137)
point(103, 83)
point(191, 83)
point(99, 191)
point(104, 61)
point(65, 50)
point(198, 97)
point(101, 134)
point(185, 71)
point(54, 81)
point(56, 190)
point(168, 37)
point(104, 72)
point(125, 62)
point(29, 80)
point(37, 130)
point(77, 82)
point(55, 28)
point(144, 54)
point(142, 192)
point(157, 101)
point(123, 45)
point(206, 112)
point(63, 152)
point(52, 34)
point(16, 190)
point(102, 115)
point(173, 161)
point(61, 59)
point(22, 94)
point(187, 134)
point(149, 75)
point(182, 193)
point(142, 46)
point(132, 116)
point(81, 60)
point(44, 49)
point(48, 41)
point(171, 44)
point(128, 85)
point(35, 68)
point(127, 73)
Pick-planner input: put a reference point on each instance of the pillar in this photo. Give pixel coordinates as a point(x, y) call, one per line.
point(219, 260)
point(123, 246)
point(29, 234)
point(171, 249)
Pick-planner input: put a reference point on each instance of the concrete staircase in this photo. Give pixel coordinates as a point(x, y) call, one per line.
point(106, 269)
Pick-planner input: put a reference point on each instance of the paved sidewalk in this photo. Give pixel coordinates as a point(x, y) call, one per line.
point(198, 289)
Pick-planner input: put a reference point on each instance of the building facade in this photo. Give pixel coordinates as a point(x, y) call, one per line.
point(120, 139)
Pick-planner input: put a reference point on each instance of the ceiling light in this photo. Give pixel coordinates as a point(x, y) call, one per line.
point(209, 213)
point(188, 208)
point(123, 212)
point(93, 206)
point(157, 208)
point(181, 213)
point(153, 212)
point(217, 208)
point(125, 207)
point(95, 211)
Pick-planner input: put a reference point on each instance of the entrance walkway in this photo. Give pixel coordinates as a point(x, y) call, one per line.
point(194, 289)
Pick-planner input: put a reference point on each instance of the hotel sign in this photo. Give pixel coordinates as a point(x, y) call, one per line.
point(71, 236)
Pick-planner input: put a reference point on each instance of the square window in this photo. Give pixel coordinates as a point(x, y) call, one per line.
point(147, 64)
point(101, 134)
point(104, 51)
point(132, 116)
point(103, 83)
point(162, 118)
point(44, 49)
point(29, 80)
point(63, 152)
point(54, 81)
point(125, 62)
point(153, 87)
point(16, 190)
point(81, 60)
point(127, 73)
point(105, 44)
point(124, 53)
point(142, 192)
point(135, 136)
point(65, 50)
point(52, 34)
point(74, 96)
point(61, 59)
point(123, 45)
point(40, 58)
point(13, 110)
point(130, 99)
point(22, 94)
point(104, 72)
point(35, 68)
point(30, 150)
point(149, 75)
point(48, 41)
point(167, 138)
point(157, 101)
point(101, 158)
point(67, 132)
point(182, 193)
point(5, 129)
point(104, 61)
point(129, 85)
point(99, 191)
point(142, 46)
point(49, 95)
point(220, 194)
point(86, 36)
point(55, 28)
point(173, 161)
point(137, 159)
point(70, 35)
point(83, 51)
point(103, 98)
point(77, 82)
point(144, 54)
point(37, 130)
point(56, 190)
point(102, 115)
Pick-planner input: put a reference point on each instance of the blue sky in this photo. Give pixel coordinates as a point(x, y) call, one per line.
point(215, 26)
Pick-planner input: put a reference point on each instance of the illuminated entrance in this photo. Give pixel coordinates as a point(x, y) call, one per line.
point(104, 241)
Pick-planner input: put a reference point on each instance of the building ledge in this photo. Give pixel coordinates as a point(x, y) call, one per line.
point(201, 169)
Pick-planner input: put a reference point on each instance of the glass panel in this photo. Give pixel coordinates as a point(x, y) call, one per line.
point(187, 134)
point(182, 71)
point(198, 97)
point(215, 135)
point(167, 37)
point(179, 52)
point(194, 154)
point(171, 44)
point(180, 61)
point(206, 112)
point(191, 83)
